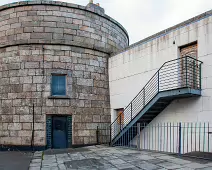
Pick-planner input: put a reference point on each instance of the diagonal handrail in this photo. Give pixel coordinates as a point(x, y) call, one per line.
point(182, 72)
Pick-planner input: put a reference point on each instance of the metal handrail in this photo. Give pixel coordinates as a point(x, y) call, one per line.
point(156, 79)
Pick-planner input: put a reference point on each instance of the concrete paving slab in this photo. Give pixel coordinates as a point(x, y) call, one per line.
point(125, 166)
point(195, 165)
point(147, 166)
point(169, 165)
point(179, 161)
point(112, 158)
point(156, 161)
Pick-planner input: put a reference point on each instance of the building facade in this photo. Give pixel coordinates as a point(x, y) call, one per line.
point(54, 88)
point(131, 69)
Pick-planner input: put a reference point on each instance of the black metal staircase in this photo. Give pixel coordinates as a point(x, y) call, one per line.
point(179, 78)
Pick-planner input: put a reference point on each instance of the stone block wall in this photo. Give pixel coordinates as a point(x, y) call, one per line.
point(26, 79)
point(60, 23)
point(38, 39)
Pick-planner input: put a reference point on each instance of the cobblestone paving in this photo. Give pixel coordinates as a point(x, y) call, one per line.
point(111, 158)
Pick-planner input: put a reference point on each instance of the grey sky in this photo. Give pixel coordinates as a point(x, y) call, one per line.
point(143, 18)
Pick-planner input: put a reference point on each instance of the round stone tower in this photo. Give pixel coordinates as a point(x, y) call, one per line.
point(54, 88)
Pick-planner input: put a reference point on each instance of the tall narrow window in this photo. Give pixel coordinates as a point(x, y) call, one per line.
point(58, 86)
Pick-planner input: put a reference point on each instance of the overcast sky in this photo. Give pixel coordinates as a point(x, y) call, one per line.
point(142, 18)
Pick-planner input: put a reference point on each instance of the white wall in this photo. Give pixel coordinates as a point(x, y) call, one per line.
point(130, 70)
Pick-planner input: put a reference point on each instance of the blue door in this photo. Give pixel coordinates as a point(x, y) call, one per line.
point(59, 132)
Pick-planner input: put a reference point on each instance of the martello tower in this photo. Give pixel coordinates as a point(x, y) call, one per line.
point(54, 72)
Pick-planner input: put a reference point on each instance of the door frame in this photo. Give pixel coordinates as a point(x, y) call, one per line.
point(66, 129)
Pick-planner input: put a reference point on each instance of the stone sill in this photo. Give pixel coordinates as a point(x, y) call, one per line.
point(59, 97)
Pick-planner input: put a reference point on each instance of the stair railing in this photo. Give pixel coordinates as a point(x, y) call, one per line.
point(184, 72)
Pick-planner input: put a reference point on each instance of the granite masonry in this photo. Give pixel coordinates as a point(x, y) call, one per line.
point(39, 39)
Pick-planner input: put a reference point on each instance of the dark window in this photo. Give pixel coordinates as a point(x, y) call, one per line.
point(58, 85)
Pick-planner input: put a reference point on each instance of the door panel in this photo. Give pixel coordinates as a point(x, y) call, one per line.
point(59, 132)
point(189, 67)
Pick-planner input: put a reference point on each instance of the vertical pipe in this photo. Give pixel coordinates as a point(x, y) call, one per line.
point(179, 149)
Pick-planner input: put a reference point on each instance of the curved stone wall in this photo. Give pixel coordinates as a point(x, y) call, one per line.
point(61, 23)
point(38, 40)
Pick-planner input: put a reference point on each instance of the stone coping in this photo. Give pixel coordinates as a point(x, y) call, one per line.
point(64, 4)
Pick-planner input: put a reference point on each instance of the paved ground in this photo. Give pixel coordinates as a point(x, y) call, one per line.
point(12, 160)
point(111, 158)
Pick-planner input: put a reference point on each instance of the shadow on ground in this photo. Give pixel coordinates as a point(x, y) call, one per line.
point(14, 160)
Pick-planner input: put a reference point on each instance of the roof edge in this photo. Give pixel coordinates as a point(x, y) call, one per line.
point(166, 31)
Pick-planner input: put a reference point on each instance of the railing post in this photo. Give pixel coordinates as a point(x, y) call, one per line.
point(97, 135)
point(186, 67)
point(110, 136)
point(144, 97)
point(200, 76)
point(158, 81)
point(131, 110)
point(138, 136)
point(179, 149)
point(120, 121)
